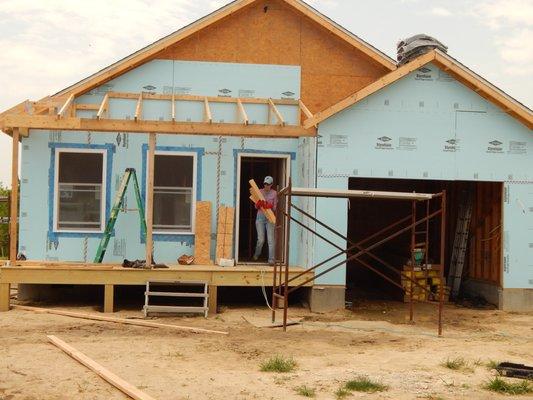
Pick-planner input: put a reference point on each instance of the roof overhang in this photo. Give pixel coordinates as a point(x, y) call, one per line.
point(451, 66)
point(63, 114)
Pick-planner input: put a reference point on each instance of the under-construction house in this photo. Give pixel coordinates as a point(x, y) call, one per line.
point(272, 87)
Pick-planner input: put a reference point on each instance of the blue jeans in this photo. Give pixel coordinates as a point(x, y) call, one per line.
point(262, 224)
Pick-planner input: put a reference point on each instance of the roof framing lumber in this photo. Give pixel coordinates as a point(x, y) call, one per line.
point(63, 110)
point(276, 112)
point(208, 117)
point(462, 74)
point(173, 107)
point(242, 112)
point(104, 107)
point(146, 126)
point(139, 108)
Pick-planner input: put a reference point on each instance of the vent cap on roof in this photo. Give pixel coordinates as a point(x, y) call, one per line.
point(417, 45)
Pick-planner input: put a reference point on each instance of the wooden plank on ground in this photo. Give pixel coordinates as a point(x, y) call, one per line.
point(115, 380)
point(256, 193)
point(125, 321)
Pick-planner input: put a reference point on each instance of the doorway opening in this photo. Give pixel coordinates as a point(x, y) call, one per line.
point(255, 167)
point(483, 257)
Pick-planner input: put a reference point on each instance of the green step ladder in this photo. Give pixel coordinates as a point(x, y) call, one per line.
point(117, 204)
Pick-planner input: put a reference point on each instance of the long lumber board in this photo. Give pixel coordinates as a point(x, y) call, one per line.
point(256, 193)
point(115, 380)
point(116, 320)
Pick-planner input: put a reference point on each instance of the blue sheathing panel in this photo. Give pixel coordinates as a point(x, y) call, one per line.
point(425, 126)
point(215, 170)
point(518, 235)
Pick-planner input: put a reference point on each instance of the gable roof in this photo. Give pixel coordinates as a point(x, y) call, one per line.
point(144, 55)
point(451, 66)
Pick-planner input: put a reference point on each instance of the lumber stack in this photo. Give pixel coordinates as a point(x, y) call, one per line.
point(225, 224)
point(255, 196)
point(428, 279)
point(202, 236)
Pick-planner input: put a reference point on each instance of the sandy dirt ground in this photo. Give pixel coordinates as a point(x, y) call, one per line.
point(374, 340)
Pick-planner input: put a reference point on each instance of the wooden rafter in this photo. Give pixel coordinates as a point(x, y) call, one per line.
point(173, 106)
point(276, 112)
point(104, 107)
point(139, 108)
point(46, 122)
point(242, 112)
point(63, 110)
point(211, 99)
point(208, 117)
point(84, 106)
point(305, 110)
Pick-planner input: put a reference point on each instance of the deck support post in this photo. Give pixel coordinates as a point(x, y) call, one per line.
point(150, 201)
point(109, 294)
point(13, 214)
point(213, 303)
point(5, 289)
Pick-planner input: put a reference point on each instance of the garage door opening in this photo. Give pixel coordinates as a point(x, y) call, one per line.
point(483, 257)
point(255, 167)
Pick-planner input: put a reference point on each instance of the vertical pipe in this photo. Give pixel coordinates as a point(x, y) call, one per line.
point(442, 257)
point(413, 274)
point(276, 261)
point(150, 200)
point(286, 261)
point(13, 221)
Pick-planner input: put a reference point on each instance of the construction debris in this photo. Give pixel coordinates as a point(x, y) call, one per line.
point(103, 372)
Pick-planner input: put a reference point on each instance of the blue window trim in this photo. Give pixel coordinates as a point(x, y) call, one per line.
point(187, 240)
point(237, 152)
point(110, 148)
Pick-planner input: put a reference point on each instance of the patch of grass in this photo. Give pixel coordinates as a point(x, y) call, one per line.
point(306, 391)
point(364, 384)
point(278, 364)
point(455, 364)
point(341, 393)
point(478, 362)
point(500, 385)
point(492, 364)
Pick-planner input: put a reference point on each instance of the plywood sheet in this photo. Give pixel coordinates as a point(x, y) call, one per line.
point(225, 225)
point(202, 239)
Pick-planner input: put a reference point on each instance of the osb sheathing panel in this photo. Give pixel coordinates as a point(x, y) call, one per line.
point(331, 68)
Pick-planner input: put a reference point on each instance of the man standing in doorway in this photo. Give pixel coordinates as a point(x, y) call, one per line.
point(262, 224)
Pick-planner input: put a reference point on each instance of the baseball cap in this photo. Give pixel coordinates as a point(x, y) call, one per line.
point(268, 180)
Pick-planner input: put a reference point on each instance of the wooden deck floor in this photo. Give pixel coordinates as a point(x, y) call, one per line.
point(109, 275)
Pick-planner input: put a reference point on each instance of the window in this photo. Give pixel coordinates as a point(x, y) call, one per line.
point(174, 188)
point(80, 187)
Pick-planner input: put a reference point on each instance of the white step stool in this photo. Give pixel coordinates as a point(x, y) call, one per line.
point(148, 308)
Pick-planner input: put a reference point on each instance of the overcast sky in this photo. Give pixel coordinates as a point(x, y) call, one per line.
point(46, 45)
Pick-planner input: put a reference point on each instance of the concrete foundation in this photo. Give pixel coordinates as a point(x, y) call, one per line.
point(519, 300)
point(516, 300)
point(326, 298)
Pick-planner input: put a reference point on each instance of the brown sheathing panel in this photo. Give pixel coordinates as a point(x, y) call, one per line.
point(485, 260)
point(331, 68)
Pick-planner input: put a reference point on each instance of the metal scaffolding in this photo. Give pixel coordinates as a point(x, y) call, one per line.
point(355, 251)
